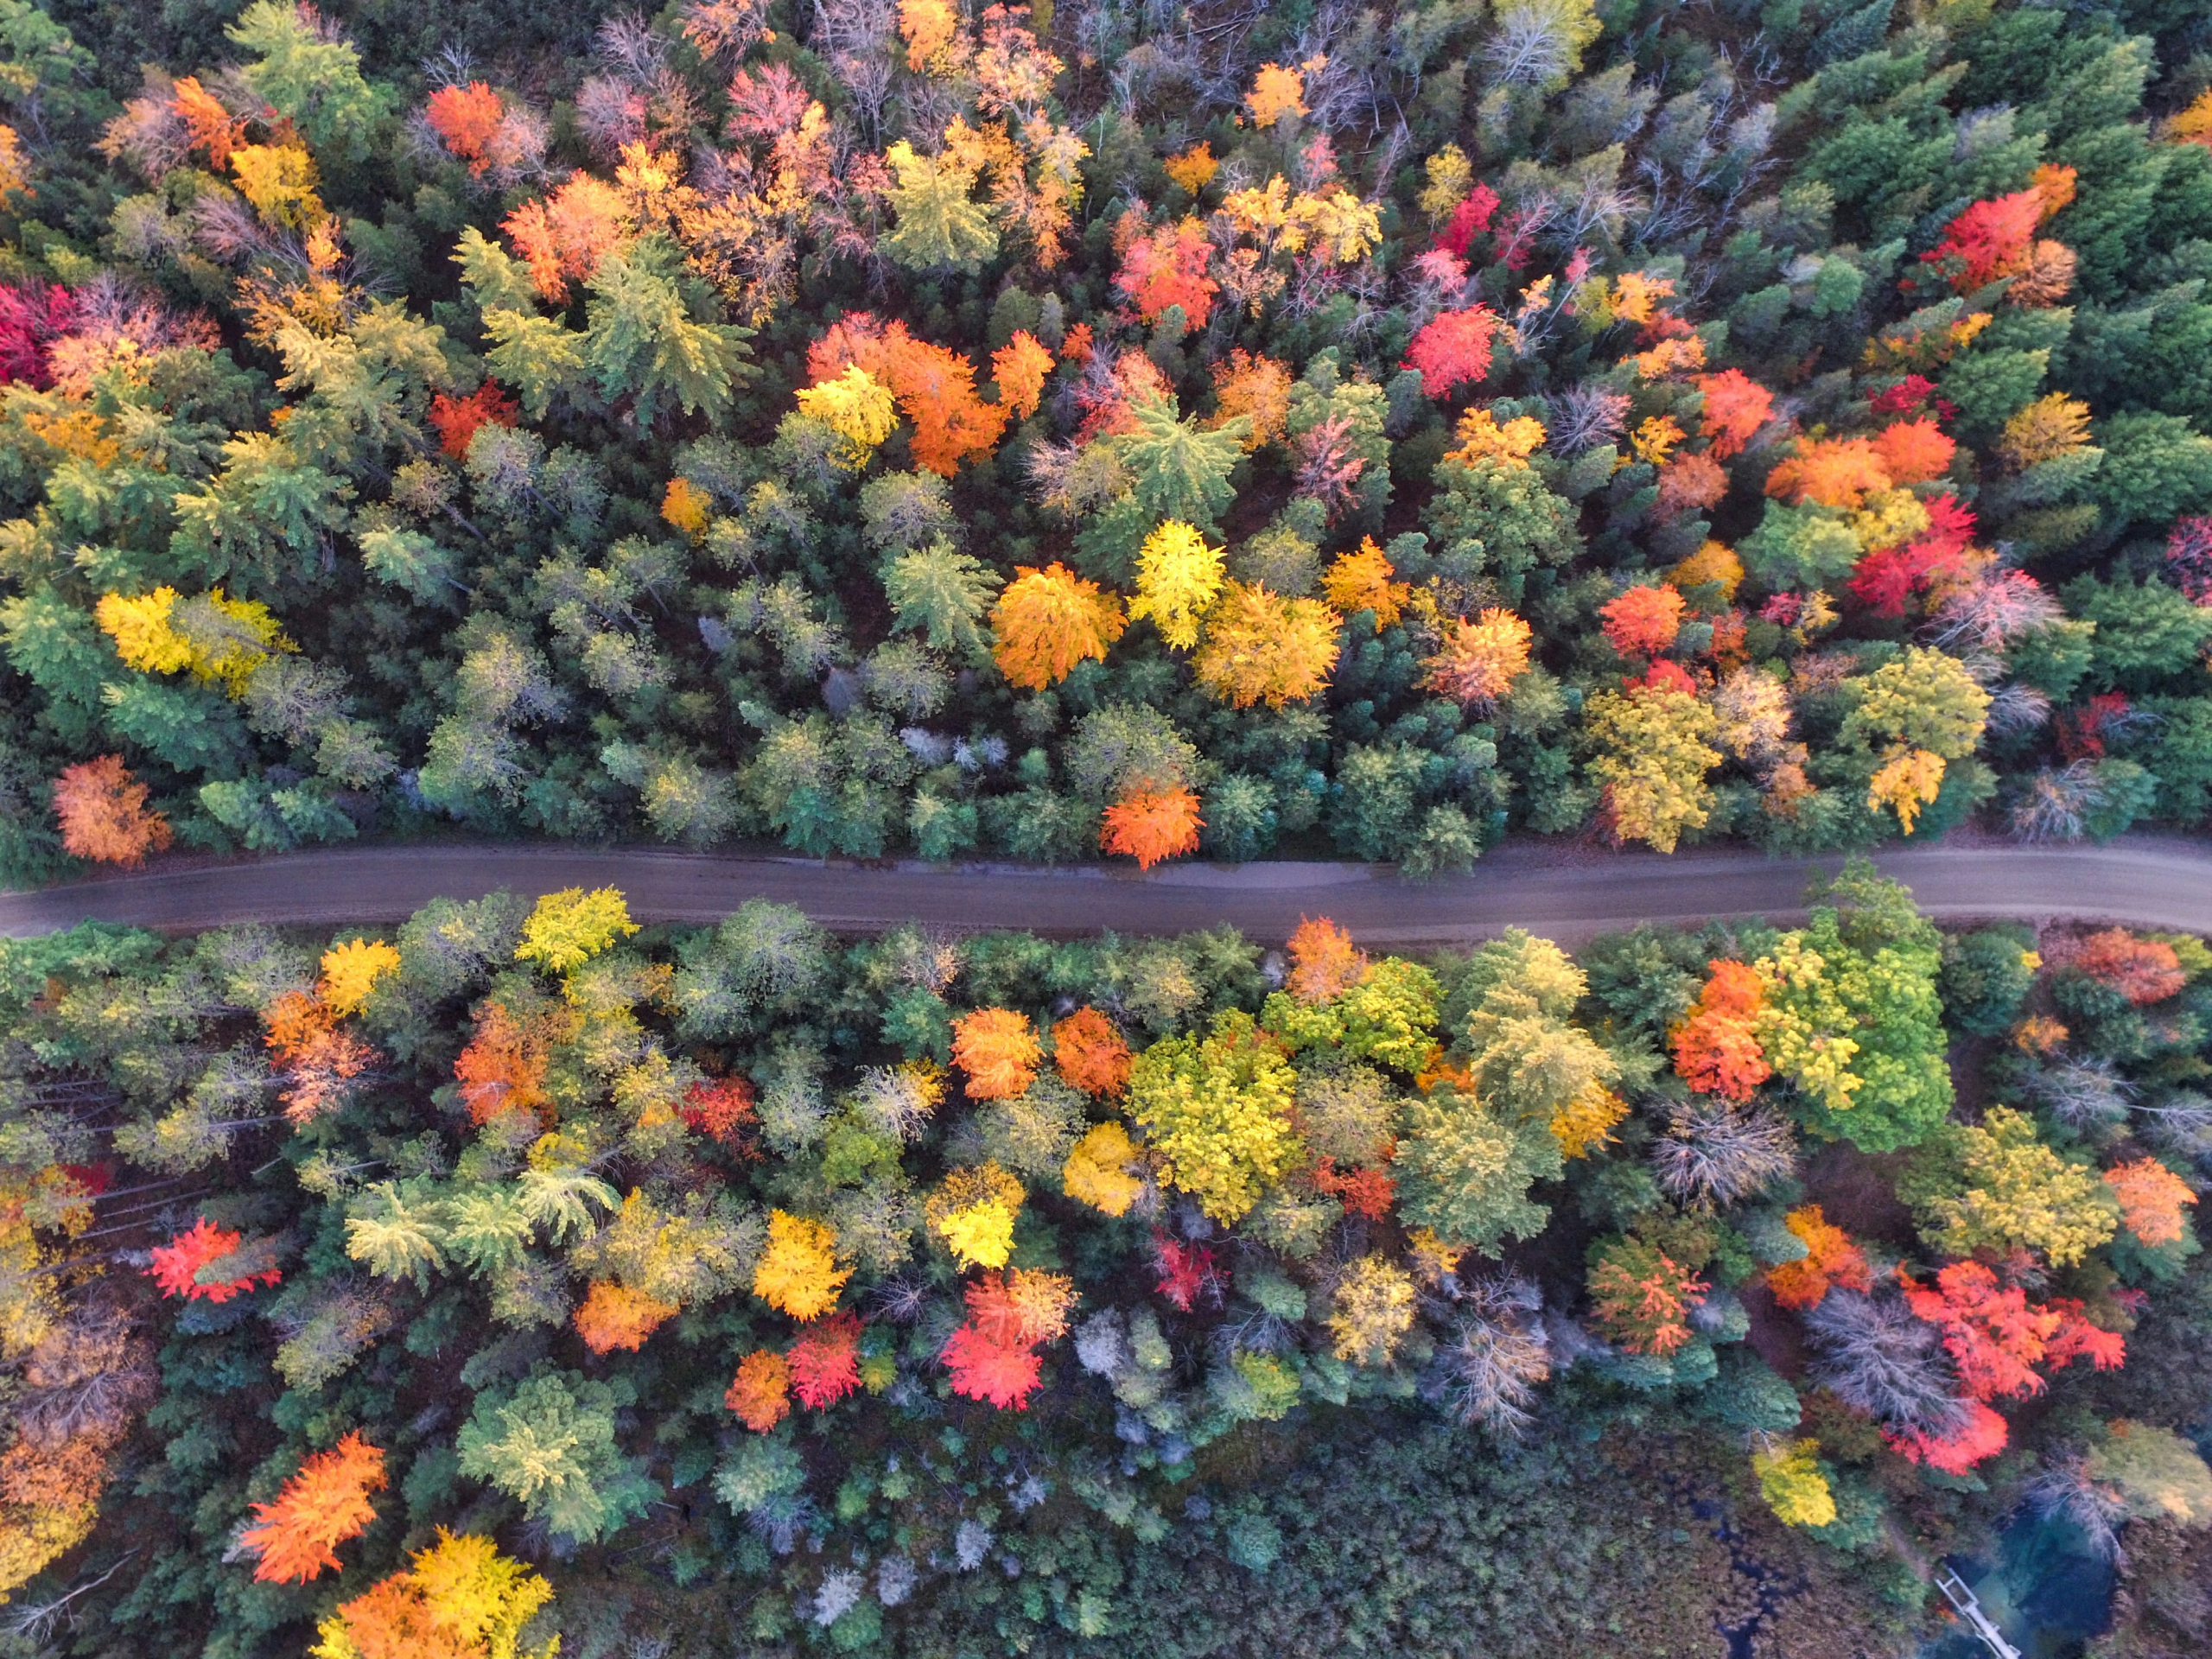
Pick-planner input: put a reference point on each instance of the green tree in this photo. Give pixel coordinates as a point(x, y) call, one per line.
point(645, 343)
point(1179, 469)
point(551, 1444)
point(939, 228)
point(1464, 1170)
point(311, 77)
point(943, 594)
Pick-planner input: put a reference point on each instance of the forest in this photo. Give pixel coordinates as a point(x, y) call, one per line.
point(907, 429)
point(522, 1279)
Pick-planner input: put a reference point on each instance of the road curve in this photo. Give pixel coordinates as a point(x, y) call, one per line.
point(2138, 880)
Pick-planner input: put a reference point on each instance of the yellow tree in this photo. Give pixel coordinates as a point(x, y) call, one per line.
point(568, 928)
point(1178, 576)
point(1654, 750)
point(1261, 647)
point(798, 1273)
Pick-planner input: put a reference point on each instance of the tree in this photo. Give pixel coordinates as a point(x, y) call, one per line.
point(1361, 580)
point(973, 1210)
point(2151, 1198)
point(103, 813)
point(1831, 1261)
point(1653, 754)
point(326, 1502)
point(2144, 972)
point(642, 344)
point(1164, 269)
point(1090, 1053)
point(1996, 1185)
point(1995, 1336)
point(467, 119)
point(938, 228)
point(1452, 350)
point(614, 1316)
point(549, 1443)
point(460, 1599)
point(1989, 240)
point(1716, 1048)
point(1640, 1297)
point(1715, 1153)
point(1463, 1169)
point(1791, 1481)
point(1253, 394)
point(1178, 470)
point(1643, 620)
point(760, 1394)
point(1914, 452)
point(941, 594)
point(855, 406)
point(1477, 661)
point(1259, 647)
point(456, 420)
point(825, 1362)
point(993, 1357)
point(1277, 92)
point(998, 1050)
point(1829, 473)
point(798, 1273)
point(1370, 1311)
point(1096, 1171)
point(1735, 408)
point(1217, 1111)
point(567, 929)
point(351, 972)
point(1178, 576)
point(1151, 824)
point(1020, 367)
point(1046, 621)
point(201, 1262)
point(1324, 961)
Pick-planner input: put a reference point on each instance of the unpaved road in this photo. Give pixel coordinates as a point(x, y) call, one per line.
point(2138, 880)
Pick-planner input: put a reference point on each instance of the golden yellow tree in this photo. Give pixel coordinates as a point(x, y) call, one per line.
point(1261, 647)
point(1178, 575)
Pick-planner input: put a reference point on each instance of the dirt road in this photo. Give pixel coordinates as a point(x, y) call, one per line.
point(2141, 882)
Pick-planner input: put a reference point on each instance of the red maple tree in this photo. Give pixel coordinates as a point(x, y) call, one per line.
point(1452, 350)
point(825, 1361)
point(457, 418)
point(175, 1266)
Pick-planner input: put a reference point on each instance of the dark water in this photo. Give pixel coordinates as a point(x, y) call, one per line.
point(2047, 1590)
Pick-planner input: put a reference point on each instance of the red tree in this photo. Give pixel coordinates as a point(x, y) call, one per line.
point(721, 1109)
point(467, 118)
point(1469, 219)
point(1989, 240)
point(825, 1362)
point(1186, 1271)
point(1736, 407)
point(175, 1266)
point(1167, 267)
point(1643, 621)
point(457, 418)
point(2142, 971)
point(1452, 350)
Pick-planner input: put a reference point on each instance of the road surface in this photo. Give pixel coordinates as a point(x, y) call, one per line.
point(2138, 880)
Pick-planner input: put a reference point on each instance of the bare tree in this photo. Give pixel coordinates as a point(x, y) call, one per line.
point(1486, 1371)
point(1876, 1355)
point(1714, 1153)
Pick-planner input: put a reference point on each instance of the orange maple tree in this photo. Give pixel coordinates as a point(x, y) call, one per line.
point(615, 1316)
point(1736, 407)
point(1020, 1306)
point(1981, 1434)
point(1643, 620)
point(503, 1067)
point(935, 387)
point(1830, 471)
point(1046, 621)
point(1914, 452)
point(103, 813)
point(467, 119)
point(1642, 1297)
point(1476, 663)
point(207, 125)
point(760, 1394)
point(825, 1362)
point(1020, 367)
point(1363, 1192)
point(1091, 1054)
point(1256, 388)
point(1362, 581)
point(1151, 824)
point(1324, 961)
point(1716, 1049)
point(2151, 1199)
point(563, 237)
point(1996, 1335)
point(320, 1508)
point(1830, 1259)
point(998, 1050)
point(2142, 971)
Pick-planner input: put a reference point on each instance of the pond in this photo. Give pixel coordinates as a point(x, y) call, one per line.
point(2048, 1590)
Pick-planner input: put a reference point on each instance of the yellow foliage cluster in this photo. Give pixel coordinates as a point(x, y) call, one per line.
point(973, 1211)
point(1481, 438)
point(798, 1273)
point(1178, 576)
point(1373, 1310)
point(1097, 1172)
point(350, 972)
point(221, 641)
point(858, 408)
point(1586, 1122)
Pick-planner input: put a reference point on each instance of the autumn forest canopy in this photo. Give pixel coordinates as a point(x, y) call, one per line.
point(522, 1276)
point(913, 429)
